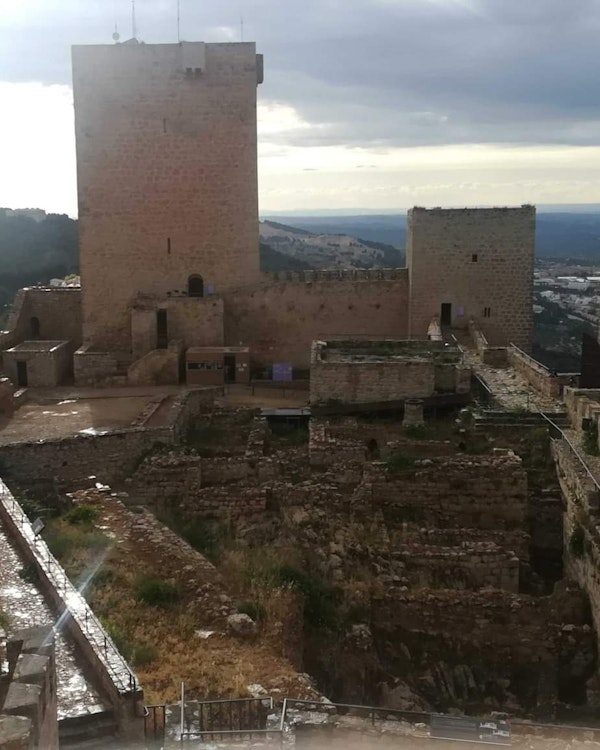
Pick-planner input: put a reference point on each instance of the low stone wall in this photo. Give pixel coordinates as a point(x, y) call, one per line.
point(514, 542)
point(157, 367)
point(326, 450)
point(494, 356)
point(111, 671)
point(188, 407)
point(28, 717)
point(582, 403)
point(486, 492)
point(473, 565)
point(536, 374)
point(7, 401)
point(110, 456)
point(93, 368)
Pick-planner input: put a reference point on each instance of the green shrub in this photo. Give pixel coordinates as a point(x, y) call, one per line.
point(82, 514)
point(255, 610)
point(4, 620)
point(577, 542)
point(64, 539)
point(143, 654)
point(590, 440)
point(397, 462)
point(320, 601)
point(157, 593)
point(119, 638)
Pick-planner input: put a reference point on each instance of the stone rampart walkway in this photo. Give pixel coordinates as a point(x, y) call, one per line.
point(25, 606)
point(510, 389)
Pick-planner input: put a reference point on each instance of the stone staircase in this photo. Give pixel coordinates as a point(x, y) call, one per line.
point(490, 418)
point(95, 731)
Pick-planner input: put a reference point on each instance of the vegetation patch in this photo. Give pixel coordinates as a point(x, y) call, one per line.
point(255, 610)
point(320, 601)
point(157, 593)
point(590, 440)
point(577, 542)
point(82, 514)
point(397, 462)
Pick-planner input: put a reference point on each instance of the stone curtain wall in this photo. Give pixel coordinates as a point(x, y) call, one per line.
point(441, 244)
point(28, 715)
point(280, 320)
point(167, 174)
point(57, 309)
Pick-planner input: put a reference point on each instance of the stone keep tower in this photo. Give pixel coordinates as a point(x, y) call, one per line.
point(473, 263)
point(167, 187)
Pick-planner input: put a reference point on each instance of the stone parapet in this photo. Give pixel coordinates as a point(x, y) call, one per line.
point(102, 657)
point(28, 717)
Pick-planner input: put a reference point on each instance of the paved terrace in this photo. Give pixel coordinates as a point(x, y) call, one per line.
point(26, 607)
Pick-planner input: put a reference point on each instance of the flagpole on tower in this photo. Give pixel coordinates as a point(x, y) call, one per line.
point(178, 20)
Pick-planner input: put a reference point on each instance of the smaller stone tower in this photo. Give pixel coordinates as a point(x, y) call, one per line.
point(473, 263)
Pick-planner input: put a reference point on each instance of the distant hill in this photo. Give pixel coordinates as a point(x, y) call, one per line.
point(326, 250)
point(559, 234)
point(271, 260)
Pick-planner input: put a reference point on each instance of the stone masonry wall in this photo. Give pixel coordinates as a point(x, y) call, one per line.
point(535, 373)
point(487, 260)
point(487, 492)
point(195, 321)
point(174, 127)
point(28, 715)
point(361, 382)
point(280, 320)
point(111, 456)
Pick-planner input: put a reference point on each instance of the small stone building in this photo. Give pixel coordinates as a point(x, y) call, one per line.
point(205, 365)
point(363, 372)
point(39, 363)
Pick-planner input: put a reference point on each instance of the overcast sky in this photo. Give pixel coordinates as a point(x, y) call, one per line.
point(367, 104)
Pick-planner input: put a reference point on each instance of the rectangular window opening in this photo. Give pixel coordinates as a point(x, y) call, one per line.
point(474, 258)
point(168, 246)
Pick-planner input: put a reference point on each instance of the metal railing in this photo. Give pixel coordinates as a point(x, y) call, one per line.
point(226, 718)
point(554, 428)
point(530, 359)
point(373, 713)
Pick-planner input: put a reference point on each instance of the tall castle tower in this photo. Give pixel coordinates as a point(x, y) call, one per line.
point(167, 184)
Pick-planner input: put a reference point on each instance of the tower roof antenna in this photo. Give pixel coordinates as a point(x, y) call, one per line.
point(133, 21)
point(178, 21)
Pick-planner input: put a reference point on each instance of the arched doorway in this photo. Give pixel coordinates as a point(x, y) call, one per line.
point(34, 328)
point(195, 286)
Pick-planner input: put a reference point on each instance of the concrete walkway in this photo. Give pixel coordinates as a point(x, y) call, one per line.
point(25, 607)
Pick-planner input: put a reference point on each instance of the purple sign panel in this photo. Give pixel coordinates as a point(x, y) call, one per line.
point(282, 372)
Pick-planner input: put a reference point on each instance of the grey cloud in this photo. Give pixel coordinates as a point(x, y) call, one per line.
point(376, 73)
